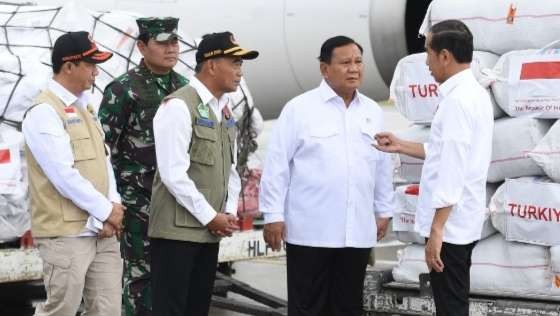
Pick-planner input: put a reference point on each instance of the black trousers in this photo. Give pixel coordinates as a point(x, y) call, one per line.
point(183, 276)
point(325, 281)
point(451, 287)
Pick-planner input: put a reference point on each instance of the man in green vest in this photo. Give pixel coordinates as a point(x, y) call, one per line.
point(196, 186)
point(126, 113)
point(75, 207)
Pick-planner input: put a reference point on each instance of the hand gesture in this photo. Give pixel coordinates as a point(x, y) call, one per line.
point(387, 142)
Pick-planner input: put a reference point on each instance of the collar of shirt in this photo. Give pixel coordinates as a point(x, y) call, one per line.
point(328, 94)
point(207, 97)
point(449, 84)
point(67, 97)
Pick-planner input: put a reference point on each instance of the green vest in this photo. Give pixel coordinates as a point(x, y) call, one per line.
point(211, 153)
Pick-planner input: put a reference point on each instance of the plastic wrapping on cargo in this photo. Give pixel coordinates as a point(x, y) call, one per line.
point(30, 31)
point(250, 125)
point(555, 259)
point(409, 169)
point(14, 215)
point(527, 210)
point(27, 34)
point(406, 197)
point(411, 263)
point(526, 82)
point(503, 267)
point(500, 26)
point(513, 139)
point(415, 91)
point(555, 265)
point(498, 266)
point(21, 79)
point(547, 153)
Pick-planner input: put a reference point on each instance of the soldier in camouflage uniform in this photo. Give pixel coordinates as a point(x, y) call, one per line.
point(126, 113)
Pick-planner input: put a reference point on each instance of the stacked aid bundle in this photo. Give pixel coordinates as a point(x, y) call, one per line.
point(524, 81)
point(27, 34)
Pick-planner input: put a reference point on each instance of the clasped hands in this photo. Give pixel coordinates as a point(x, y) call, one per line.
point(113, 225)
point(223, 225)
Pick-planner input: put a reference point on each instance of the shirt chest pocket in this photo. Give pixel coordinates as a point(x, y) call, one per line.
point(82, 143)
point(323, 133)
point(203, 147)
point(366, 139)
point(322, 140)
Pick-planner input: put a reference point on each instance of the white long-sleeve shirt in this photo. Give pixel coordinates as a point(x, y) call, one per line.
point(172, 134)
point(321, 175)
point(50, 145)
point(457, 159)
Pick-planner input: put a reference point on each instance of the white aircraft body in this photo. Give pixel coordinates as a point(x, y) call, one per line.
point(289, 33)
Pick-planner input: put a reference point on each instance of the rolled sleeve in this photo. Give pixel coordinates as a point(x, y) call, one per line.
point(273, 217)
point(457, 131)
point(451, 174)
point(426, 149)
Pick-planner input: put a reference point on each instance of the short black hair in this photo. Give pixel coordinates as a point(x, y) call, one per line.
point(144, 37)
point(198, 67)
point(329, 45)
point(57, 66)
point(454, 36)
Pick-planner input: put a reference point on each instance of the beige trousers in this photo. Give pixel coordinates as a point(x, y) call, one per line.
point(76, 267)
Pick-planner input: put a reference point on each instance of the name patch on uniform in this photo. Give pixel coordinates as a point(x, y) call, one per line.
point(204, 122)
point(230, 122)
point(75, 120)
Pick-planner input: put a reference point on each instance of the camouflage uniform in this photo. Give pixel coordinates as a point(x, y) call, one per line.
point(126, 113)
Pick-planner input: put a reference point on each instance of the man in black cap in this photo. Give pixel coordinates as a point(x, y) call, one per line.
point(76, 213)
point(196, 186)
point(126, 112)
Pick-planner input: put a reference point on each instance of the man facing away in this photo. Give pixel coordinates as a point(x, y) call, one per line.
point(75, 207)
point(126, 113)
point(451, 205)
point(196, 186)
point(324, 189)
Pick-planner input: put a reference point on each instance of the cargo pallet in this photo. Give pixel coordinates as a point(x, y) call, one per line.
point(385, 297)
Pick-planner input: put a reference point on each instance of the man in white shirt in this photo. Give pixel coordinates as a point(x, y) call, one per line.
point(75, 207)
point(196, 186)
point(324, 188)
point(450, 210)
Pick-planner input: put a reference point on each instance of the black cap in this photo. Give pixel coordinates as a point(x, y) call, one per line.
point(76, 46)
point(221, 45)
